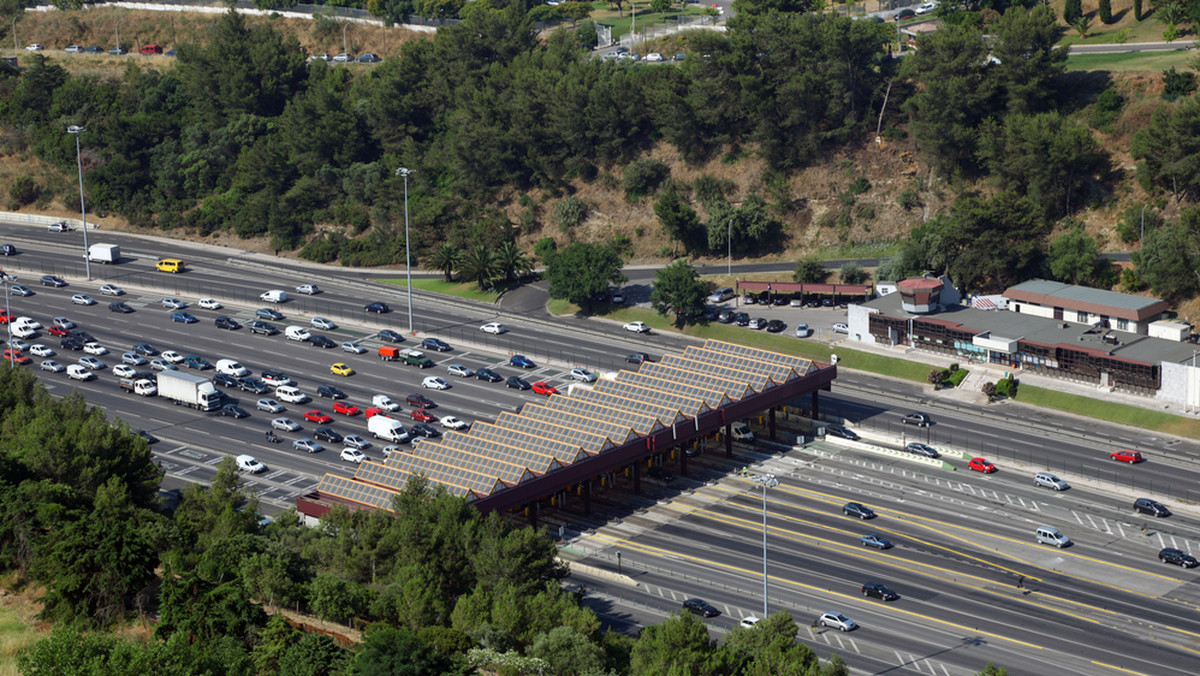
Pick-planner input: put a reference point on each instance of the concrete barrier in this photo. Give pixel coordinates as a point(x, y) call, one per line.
point(903, 455)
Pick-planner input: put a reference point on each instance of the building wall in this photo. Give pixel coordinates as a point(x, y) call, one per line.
point(1174, 383)
point(858, 318)
point(1038, 310)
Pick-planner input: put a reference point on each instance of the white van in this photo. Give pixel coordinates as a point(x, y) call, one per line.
point(274, 296)
point(298, 333)
point(80, 372)
point(247, 463)
point(291, 394)
point(24, 331)
point(721, 295)
point(1050, 536)
point(231, 368)
point(27, 321)
point(385, 402)
point(741, 432)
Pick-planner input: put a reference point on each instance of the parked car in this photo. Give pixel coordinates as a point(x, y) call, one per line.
point(488, 375)
point(841, 327)
point(583, 375)
point(521, 361)
point(517, 383)
point(542, 387)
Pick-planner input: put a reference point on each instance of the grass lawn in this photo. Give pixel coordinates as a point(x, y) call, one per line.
point(1121, 414)
point(15, 636)
point(622, 25)
point(461, 289)
point(1132, 61)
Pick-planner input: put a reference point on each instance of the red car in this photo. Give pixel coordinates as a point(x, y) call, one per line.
point(1126, 456)
point(345, 408)
point(422, 415)
point(57, 331)
point(981, 465)
point(373, 411)
point(544, 388)
point(316, 416)
point(13, 356)
point(5, 317)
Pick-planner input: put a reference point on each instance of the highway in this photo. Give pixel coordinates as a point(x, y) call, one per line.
point(963, 540)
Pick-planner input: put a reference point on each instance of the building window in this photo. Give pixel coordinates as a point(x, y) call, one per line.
point(1122, 324)
point(1083, 318)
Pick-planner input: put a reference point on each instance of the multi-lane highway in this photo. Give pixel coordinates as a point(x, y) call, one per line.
point(963, 541)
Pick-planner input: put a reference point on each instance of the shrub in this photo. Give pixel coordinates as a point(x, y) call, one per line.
point(936, 377)
point(643, 177)
point(570, 212)
point(989, 389)
point(1177, 85)
point(1108, 108)
point(24, 190)
point(859, 186)
point(322, 249)
point(1072, 10)
point(853, 273)
point(711, 190)
point(956, 377)
point(1105, 11)
point(908, 200)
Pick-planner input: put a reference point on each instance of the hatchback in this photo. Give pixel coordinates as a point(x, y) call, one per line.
point(345, 408)
point(224, 380)
point(117, 306)
point(353, 455)
point(162, 365)
point(741, 319)
point(518, 383)
point(460, 371)
point(377, 308)
point(837, 621)
point(521, 361)
point(331, 392)
point(434, 383)
point(390, 336)
point(879, 591)
point(285, 424)
point(981, 465)
point(82, 299)
point(857, 509)
point(421, 415)
point(307, 445)
point(262, 327)
point(921, 449)
point(183, 317)
point(776, 325)
point(234, 411)
point(637, 358)
point(494, 328)
point(327, 434)
point(356, 441)
point(1151, 507)
point(317, 340)
point(268, 313)
point(583, 375)
point(123, 371)
point(70, 344)
point(269, 405)
point(1126, 456)
point(227, 323)
point(95, 348)
point(51, 280)
point(1048, 480)
point(757, 323)
point(146, 350)
point(322, 323)
point(841, 327)
point(209, 304)
point(918, 419)
point(353, 347)
point(542, 387)
point(488, 375)
point(92, 363)
point(173, 303)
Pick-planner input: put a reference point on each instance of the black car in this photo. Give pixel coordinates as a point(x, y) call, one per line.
point(918, 419)
point(224, 380)
point(150, 438)
point(7, 249)
point(227, 323)
point(662, 474)
point(726, 316)
point(81, 335)
point(118, 306)
point(321, 341)
point(778, 300)
point(856, 509)
point(234, 411)
point(146, 350)
point(741, 319)
point(921, 449)
point(435, 344)
point(377, 308)
point(71, 344)
point(839, 431)
point(879, 591)
point(253, 385)
point(93, 49)
point(268, 313)
point(1178, 557)
point(637, 358)
point(424, 430)
point(51, 280)
point(700, 608)
point(488, 375)
point(327, 434)
point(517, 382)
point(390, 336)
point(331, 392)
point(776, 325)
point(265, 328)
point(1151, 507)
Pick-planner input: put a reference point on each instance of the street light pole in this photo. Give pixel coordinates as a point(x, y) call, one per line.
point(76, 130)
point(344, 27)
point(407, 252)
point(14, 31)
point(8, 280)
point(1143, 236)
point(766, 481)
point(729, 249)
point(118, 32)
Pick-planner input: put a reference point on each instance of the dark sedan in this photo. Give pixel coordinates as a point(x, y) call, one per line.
point(51, 280)
point(390, 336)
point(234, 411)
point(435, 345)
point(268, 313)
point(123, 308)
point(327, 434)
point(224, 380)
point(516, 382)
point(701, 608)
point(71, 344)
point(331, 392)
point(317, 340)
point(776, 325)
point(183, 317)
point(146, 350)
point(859, 510)
point(488, 375)
point(262, 327)
point(879, 591)
point(253, 385)
point(377, 308)
point(227, 323)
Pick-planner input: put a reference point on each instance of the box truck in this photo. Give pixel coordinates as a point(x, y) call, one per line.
point(186, 388)
point(385, 428)
point(104, 253)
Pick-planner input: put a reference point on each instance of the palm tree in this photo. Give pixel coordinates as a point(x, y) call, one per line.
point(479, 266)
point(512, 261)
point(446, 257)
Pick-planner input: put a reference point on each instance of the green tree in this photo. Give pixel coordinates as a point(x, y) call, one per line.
point(581, 271)
point(1072, 10)
point(570, 213)
point(479, 265)
point(1030, 58)
point(1105, 11)
point(992, 670)
point(586, 33)
point(1075, 258)
point(568, 652)
point(986, 245)
point(397, 652)
point(446, 257)
point(678, 219)
point(810, 271)
point(909, 262)
point(1168, 150)
point(1170, 14)
point(315, 655)
point(744, 229)
point(1137, 10)
point(335, 599)
point(1177, 85)
point(1168, 258)
point(678, 645)
point(679, 292)
point(1082, 25)
point(853, 273)
point(273, 641)
point(512, 262)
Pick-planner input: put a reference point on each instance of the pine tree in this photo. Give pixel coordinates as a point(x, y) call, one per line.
point(1137, 10)
point(1105, 11)
point(1072, 11)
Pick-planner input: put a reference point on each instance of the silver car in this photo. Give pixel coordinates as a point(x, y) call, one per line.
point(269, 405)
point(285, 424)
point(1048, 480)
point(307, 445)
point(92, 363)
point(353, 347)
point(323, 323)
point(837, 621)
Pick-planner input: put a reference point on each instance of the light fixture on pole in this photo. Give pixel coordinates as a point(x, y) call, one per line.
point(8, 280)
point(76, 130)
point(766, 481)
point(407, 253)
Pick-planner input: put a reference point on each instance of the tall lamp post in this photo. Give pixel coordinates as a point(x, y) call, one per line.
point(766, 481)
point(117, 30)
point(76, 130)
point(8, 280)
point(344, 50)
point(14, 31)
point(407, 252)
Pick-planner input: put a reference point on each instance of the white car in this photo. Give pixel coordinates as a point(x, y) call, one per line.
point(111, 290)
point(94, 348)
point(355, 441)
point(450, 422)
point(82, 299)
point(654, 56)
point(308, 289)
point(750, 622)
point(323, 323)
point(460, 371)
point(61, 226)
point(926, 7)
point(494, 328)
point(802, 331)
point(133, 359)
point(841, 327)
point(173, 303)
point(35, 47)
point(123, 371)
point(435, 383)
point(637, 327)
point(353, 455)
point(41, 351)
point(209, 304)
point(291, 395)
point(92, 363)
point(385, 402)
point(247, 463)
point(79, 372)
point(269, 405)
point(353, 347)
point(28, 321)
point(342, 58)
point(74, 49)
point(285, 424)
point(172, 357)
point(583, 375)
point(53, 366)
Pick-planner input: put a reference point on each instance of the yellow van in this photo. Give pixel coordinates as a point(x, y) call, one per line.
point(170, 265)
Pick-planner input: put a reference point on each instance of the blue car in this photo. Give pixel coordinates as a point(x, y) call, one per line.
point(435, 344)
point(873, 540)
point(520, 361)
point(183, 317)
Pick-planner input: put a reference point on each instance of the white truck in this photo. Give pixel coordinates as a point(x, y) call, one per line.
point(104, 253)
point(141, 386)
point(385, 428)
point(186, 388)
